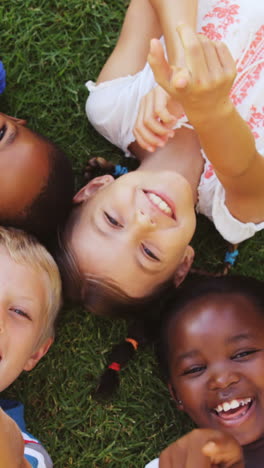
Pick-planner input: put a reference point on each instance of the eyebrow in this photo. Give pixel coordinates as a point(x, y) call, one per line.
point(27, 298)
point(189, 354)
point(240, 337)
point(234, 339)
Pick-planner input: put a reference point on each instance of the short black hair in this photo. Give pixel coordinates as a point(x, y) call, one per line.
point(196, 287)
point(52, 205)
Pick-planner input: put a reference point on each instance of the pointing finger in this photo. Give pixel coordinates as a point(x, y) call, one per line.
point(160, 67)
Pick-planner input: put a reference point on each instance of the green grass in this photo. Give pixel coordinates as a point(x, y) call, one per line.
point(50, 49)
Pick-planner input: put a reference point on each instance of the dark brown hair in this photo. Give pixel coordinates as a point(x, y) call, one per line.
point(50, 208)
point(197, 287)
point(101, 296)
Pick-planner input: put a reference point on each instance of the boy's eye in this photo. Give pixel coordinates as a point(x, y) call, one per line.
point(149, 253)
point(112, 220)
point(193, 370)
point(2, 131)
point(243, 354)
point(20, 312)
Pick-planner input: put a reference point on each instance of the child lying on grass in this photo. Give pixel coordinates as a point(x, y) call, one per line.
point(30, 298)
point(36, 178)
point(212, 356)
point(126, 240)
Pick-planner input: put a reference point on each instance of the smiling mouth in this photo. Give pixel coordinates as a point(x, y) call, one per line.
point(161, 202)
point(234, 411)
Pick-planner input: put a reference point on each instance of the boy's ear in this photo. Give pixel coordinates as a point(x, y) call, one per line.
point(34, 359)
point(184, 267)
point(92, 187)
point(173, 393)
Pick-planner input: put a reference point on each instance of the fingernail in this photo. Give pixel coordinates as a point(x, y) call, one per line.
point(181, 82)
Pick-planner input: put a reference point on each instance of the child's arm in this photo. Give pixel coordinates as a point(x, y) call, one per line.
point(150, 17)
point(203, 87)
point(203, 448)
point(11, 444)
point(131, 50)
point(158, 113)
point(171, 13)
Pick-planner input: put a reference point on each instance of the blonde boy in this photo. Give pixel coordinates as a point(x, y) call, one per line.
point(30, 298)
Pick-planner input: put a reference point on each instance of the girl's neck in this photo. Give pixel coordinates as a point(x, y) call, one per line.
point(181, 154)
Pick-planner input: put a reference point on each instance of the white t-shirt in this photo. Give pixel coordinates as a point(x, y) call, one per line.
point(153, 464)
point(112, 106)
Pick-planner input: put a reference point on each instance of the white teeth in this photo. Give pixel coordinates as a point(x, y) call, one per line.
point(234, 404)
point(160, 203)
point(226, 406)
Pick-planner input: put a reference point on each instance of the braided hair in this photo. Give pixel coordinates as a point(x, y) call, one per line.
point(145, 332)
point(99, 166)
point(140, 333)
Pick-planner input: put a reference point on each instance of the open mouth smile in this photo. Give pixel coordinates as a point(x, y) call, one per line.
point(233, 412)
point(162, 203)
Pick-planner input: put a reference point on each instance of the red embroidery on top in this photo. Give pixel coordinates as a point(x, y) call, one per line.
point(210, 31)
point(209, 171)
point(254, 53)
point(226, 15)
point(256, 120)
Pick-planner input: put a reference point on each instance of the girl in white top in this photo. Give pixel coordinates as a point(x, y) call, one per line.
point(112, 107)
point(135, 232)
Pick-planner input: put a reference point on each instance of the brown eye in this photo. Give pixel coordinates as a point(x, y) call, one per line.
point(112, 220)
point(2, 132)
point(244, 354)
point(194, 370)
point(149, 253)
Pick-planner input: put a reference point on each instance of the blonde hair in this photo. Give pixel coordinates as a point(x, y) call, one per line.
point(24, 248)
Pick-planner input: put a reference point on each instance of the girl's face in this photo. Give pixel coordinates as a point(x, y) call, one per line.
point(134, 230)
point(216, 365)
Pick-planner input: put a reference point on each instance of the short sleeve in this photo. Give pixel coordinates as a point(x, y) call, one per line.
point(153, 464)
point(233, 230)
point(112, 106)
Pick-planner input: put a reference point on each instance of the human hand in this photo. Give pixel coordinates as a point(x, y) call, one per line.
point(157, 115)
point(202, 86)
point(203, 448)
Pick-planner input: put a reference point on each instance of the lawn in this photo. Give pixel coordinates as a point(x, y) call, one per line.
point(50, 49)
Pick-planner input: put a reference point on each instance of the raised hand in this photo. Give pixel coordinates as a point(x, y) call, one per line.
point(157, 115)
point(203, 448)
point(202, 86)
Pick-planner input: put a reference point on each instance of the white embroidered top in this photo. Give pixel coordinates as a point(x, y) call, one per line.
point(112, 106)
